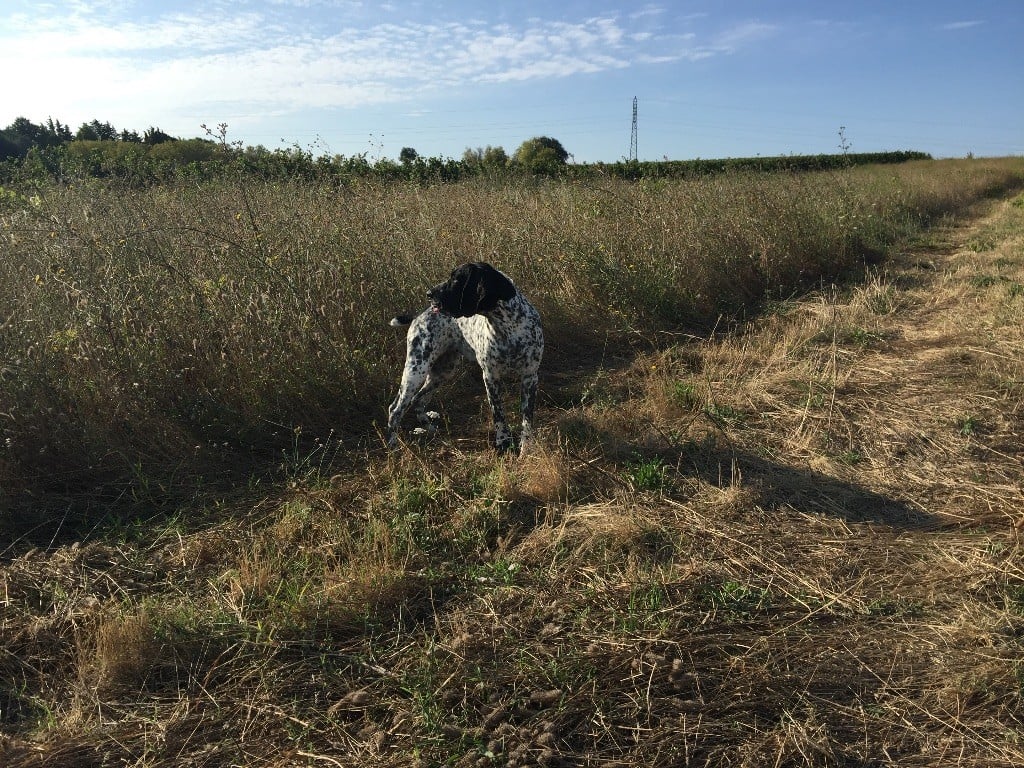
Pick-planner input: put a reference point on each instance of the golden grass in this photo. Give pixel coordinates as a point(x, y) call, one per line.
point(795, 543)
point(155, 335)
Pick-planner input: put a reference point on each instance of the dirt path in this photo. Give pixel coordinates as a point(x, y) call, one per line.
point(910, 384)
point(934, 402)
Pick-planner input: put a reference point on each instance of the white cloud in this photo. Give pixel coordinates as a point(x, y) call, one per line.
point(93, 37)
point(647, 10)
point(216, 63)
point(955, 25)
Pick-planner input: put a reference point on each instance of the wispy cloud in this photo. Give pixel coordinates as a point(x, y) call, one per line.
point(271, 57)
point(743, 34)
point(647, 10)
point(692, 47)
point(955, 25)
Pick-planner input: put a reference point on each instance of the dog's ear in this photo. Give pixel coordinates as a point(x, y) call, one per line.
point(460, 294)
point(492, 287)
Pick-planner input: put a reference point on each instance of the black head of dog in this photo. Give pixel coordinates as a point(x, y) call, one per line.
point(472, 289)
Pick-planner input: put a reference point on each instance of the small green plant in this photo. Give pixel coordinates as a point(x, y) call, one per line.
point(646, 474)
point(643, 609)
point(735, 600)
point(981, 244)
point(862, 337)
point(779, 307)
point(420, 684)
point(500, 572)
point(308, 460)
point(882, 301)
point(725, 414)
point(850, 458)
point(814, 394)
point(415, 497)
point(1015, 598)
point(986, 281)
point(968, 426)
point(684, 394)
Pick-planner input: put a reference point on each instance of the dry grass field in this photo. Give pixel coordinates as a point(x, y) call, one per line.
point(779, 532)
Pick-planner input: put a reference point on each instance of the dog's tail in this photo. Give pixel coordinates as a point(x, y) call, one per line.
point(400, 321)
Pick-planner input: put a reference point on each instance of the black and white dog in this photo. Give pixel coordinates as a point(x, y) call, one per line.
point(476, 314)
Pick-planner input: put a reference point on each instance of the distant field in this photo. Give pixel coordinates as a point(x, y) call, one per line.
point(774, 517)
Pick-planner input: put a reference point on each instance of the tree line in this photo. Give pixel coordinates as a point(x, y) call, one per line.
point(30, 151)
point(97, 148)
point(22, 135)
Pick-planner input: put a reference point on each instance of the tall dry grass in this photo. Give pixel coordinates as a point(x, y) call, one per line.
point(150, 335)
point(798, 544)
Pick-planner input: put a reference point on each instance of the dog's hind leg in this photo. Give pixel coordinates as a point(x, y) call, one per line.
point(414, 376)
point(425, 370)
point(412, 382)
point(441, 371)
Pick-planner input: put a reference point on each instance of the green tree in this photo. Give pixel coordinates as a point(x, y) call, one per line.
point(25, 128)
point(495, 156)
point(491, 157)
point(56, 132)
point(9, 147)
point(22, 135)
point(156, 136)
point(541, 154)
point(86, 133)
point(94, 130)
point(408, 155)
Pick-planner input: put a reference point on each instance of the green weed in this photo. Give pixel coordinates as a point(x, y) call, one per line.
point(684, 395)
point(646, 474)
point(644, 610)
point(981, 245)
point(734, 600)
point(813, 394)
point(894, 607)
point(725, 415)
point(986, 281)
point(850, 458)
point(968, 426)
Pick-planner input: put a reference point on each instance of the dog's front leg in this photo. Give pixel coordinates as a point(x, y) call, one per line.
point(502, 434)
point(527, 405)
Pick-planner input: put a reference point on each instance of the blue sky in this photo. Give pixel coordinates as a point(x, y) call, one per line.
point(713, 78)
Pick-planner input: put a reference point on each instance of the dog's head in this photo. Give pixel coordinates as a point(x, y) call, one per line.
point(472, 289)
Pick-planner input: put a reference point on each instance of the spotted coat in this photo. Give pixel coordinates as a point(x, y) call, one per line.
point(477, 314)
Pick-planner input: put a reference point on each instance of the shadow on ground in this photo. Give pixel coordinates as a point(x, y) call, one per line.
point(778, 485)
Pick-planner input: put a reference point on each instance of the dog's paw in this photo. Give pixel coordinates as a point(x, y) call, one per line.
point(428, 421)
